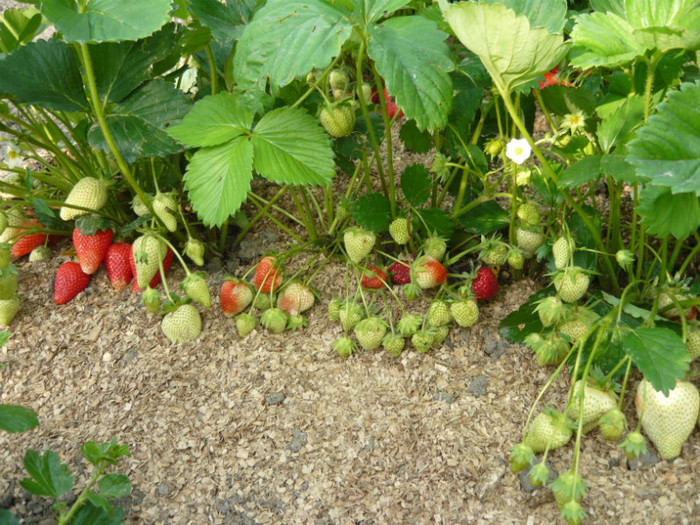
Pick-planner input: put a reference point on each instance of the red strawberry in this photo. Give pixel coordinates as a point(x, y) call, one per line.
point(391, 107)
point(234, 296)
point(268, 277)
point(117, 262)
point(374, 279)
point(70, 281)
point(27, 243)
point(167, 262)
point(427, 272)
point(485, 285)
point(91, 247)
point(400, 271)
point(551, 78)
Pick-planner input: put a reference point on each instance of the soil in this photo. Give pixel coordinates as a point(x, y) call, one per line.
point(278, 429)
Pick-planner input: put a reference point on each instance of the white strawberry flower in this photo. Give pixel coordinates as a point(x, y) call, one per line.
point(13, 156)
point(518, 150)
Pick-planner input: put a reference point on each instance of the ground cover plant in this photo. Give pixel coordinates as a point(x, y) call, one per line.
point(145, 137)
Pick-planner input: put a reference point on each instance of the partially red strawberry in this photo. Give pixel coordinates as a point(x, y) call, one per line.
point(167, 262)
point(485, 285)
point(268, 277)
point(70, 281)
point(400, 271)
point(374, 278)
point(295, 299)
point(91, 239)
point(234, 296)
point(24, 245)
point(117, 262)
point(427, 272)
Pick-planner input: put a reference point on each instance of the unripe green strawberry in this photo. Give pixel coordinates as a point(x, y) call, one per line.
point(633, 445)
point(516, 259)
point(549, 430)
point(262, 301)
point(196, 287)
point(8, 310)
point(493, 251)
point(440, 333)
point(529, 214)
point(370, 332)
point(435, 247)
point(88, 192)
point(624, 258)
point(494, 146)
point(551, 351)
point(15, 220)
point(596, 402)
point(574, 329)
point(183, 324)
point(668, 420)
point(296, 322)
point(350, 314)
point(334, 309)
point(438, 313)
point(165, 207)
point(344, 347)
point(539, 474)
point(693, 341)
point(550, 310)
point(40, 253)
point(274, 319)
point(366, 92)
point(393, 344)
point(194, 249)
point(571, 284)
point(342, 211)
point(245, 323)
point(569, 486)
point(612, 424)
point(409, 324)
point(8, 282)
point(151, 299)
point(358, 243)
point(521, 457)
point(338, 80)
point(423, 340)
point(465, 313)
point(399, 230)
point(4, 255)
point(562, 251)
point(139, 207)
point(529, 239)
point(147, 250)
point(338, 121)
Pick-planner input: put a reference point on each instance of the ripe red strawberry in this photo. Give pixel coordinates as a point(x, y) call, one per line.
point(391, 107)
point(167, 262)
point(91, 245)
point(400, 271)
point(234, 296)
point(485, 285)
point(374, 279)
point(24, 245)
point(295, 299)
point(427, 272)
point(70, 281)
point(268, 277)
point(117, 262)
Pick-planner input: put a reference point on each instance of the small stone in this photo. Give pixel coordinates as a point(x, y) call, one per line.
point(163, 489)
point(131, 356)
point(275, 399)
point(248, 250)
point(232, 265)
point(444, 396)
point(298, 441)
point(270, 235)
point(477, 386)
point(647, 459)
point(107, 357)
point(494, 346)
point(524, 476)
point(214, 265)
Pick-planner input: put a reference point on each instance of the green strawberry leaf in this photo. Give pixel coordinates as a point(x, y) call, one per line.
point(115, 485)
point(372, 211)
point(4, 337)
point(513, 52)
point(106, 20)
point(667, 147)
point(619, 127)
point(400, 48)
point(90, 514)
point(44, 73)
point(18, 27)
point(549, 14)
point(286, 40)
point(372, 10)
point(7, 518)
point(603, 39)
point(226, 21)
point(437, 221)
point(615, 6)
point(619, 169)
point(416, 184)
point(517, 325)
point(218, 180)
point(98, 500)
point(561, 99)
point(660, 355)
point(292, 148)
point(14, 418)
point(664, 213)
point(213, 121)
point(584, 171)
point(414, 139)
point(138, 124)
point(50, 476)
point(484, 218)
point(100, 453)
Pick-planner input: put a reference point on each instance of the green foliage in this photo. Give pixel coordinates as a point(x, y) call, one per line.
point(18, 27)
point(372, 211)
point(49, 477)
point(416, 184)
point(14, 418)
